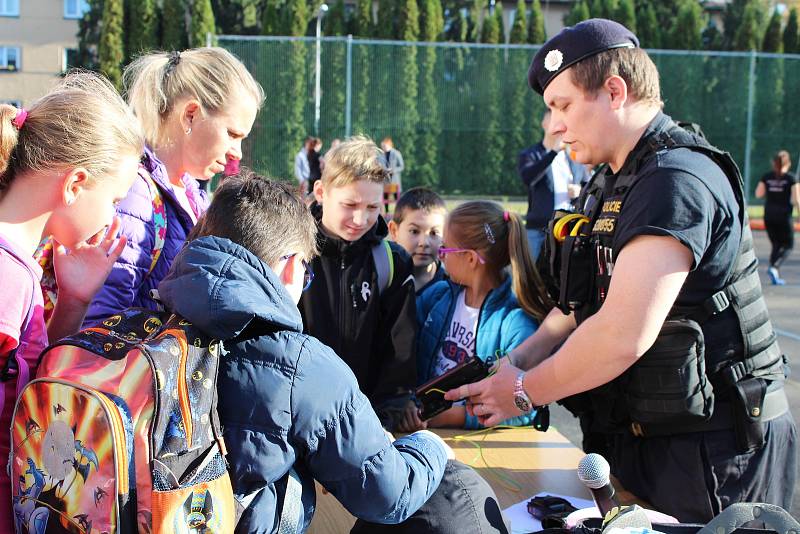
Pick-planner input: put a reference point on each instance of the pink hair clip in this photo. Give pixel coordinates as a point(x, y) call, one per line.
point(19, 120)
point(506, 216)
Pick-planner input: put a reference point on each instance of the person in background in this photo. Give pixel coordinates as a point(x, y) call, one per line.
point(314, 163)
point(196, 107)
point(64, 165)
point(418, 227)
point(392, 160)
point(553, 180)
point(302, 168)
point(782, 192)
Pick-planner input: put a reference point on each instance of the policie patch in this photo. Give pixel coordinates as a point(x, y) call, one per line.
point(606, 222)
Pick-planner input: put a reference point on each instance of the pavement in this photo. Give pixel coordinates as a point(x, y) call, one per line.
point(784, 307)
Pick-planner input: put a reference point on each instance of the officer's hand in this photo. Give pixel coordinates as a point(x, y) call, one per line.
point(492, 399)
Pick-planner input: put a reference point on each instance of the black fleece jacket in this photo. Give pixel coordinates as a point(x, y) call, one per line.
point(373, 331)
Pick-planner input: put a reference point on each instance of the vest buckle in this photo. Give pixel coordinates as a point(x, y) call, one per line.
point(717, 303)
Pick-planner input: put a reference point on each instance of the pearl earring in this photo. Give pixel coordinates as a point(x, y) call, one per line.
point(188, 131)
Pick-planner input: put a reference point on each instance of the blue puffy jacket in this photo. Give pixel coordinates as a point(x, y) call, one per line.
point(129, 282)
point(502, 325)
point(286, 400)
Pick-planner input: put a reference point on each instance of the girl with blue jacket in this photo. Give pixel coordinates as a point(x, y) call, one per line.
point(483, 310)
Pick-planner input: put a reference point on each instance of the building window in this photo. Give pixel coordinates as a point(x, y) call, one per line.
point(74, 9)
point(9, 8)
point(69, 59)
point(9, 58)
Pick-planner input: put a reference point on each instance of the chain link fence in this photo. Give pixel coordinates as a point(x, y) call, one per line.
point(461, 112)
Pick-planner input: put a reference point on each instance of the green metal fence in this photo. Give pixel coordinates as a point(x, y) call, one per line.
point(460, 113)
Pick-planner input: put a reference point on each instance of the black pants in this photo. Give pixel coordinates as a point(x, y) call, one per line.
point(781, 234)
point(463, 503)
point(694, 476)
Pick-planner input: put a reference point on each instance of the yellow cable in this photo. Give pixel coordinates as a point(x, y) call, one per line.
point(504, 480)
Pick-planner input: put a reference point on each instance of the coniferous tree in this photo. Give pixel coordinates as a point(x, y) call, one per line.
point(747, 35)
point(202, 23)
point(686, 32)
point(519, 29)
point(112, 49)
point(173, 25)
point(536, 33)
point(519, 100)
point(89, 35)
point(626, 15)
point(648, 30)
point(431, 29)
point(579, 12)
point(790, 33)
point(142, 27)
point(363, 26)
point(332, 113)
point(772, 37)
point(475, 15)
point(293, 128)
point(493, 160)
point(606, 9)
point(386, 26)
point(405, 137)
point(271, 18)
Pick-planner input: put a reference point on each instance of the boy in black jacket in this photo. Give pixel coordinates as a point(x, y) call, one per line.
point(361, 303)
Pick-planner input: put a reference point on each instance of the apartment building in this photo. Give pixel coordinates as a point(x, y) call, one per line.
point(37, 43)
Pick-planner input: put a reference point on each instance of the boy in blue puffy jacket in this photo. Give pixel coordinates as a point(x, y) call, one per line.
point(285, 399)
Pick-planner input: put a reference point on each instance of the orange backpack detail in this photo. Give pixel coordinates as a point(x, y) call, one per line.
point(119, 433)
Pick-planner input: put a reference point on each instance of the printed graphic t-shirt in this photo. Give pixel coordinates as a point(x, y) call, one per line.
point(459, 342)
point(17, 290)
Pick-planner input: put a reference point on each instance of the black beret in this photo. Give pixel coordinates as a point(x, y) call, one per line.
point(575, 43)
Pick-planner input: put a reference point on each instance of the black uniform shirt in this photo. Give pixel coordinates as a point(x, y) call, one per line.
point(683, 194)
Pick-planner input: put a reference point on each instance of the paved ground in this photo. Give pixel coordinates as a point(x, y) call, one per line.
point(784, 306)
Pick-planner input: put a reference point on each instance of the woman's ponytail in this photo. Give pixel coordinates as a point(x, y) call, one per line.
point(528, 286)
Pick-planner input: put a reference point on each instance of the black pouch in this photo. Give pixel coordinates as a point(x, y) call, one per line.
point(668, 385)
point(748, 404)
point(577, 274)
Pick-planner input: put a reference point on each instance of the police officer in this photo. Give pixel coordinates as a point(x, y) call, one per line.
point(668, 353)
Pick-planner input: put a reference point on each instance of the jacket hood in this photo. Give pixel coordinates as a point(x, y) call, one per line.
point(222, 288)
point(330, 243)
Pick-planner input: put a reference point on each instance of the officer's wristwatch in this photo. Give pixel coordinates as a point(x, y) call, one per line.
point(521, 399)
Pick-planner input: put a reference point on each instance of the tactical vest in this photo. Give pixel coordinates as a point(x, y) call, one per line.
point(668, 390)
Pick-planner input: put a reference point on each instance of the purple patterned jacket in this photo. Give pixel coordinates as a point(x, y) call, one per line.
point(129, 283)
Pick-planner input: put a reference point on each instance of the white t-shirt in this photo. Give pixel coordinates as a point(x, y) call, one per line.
point(459, 342)
point(562, 177)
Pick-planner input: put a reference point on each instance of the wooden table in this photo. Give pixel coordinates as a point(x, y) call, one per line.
point(532, 461)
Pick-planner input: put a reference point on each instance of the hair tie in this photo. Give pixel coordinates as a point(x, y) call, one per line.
point(489, 234)
point(506, 216)
point(19, 120)
point(172, 62)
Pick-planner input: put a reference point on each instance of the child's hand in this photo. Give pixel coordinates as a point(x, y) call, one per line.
point(82, 271)
point(454, 417)
point(411, 421)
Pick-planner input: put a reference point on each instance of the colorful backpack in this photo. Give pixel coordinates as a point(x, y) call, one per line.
point(119, 433)
point(44, 252)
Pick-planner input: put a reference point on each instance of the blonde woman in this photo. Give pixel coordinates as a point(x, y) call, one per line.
point(64, 164)
point(195, 107)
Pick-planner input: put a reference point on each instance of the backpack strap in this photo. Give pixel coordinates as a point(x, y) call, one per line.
point(159, 218)
point(384, 264)
point(15, 365)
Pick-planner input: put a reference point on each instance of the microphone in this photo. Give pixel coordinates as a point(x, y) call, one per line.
point(595, 473)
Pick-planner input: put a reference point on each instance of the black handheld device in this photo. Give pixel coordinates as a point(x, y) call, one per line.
point(430, 395)
point(550, 510)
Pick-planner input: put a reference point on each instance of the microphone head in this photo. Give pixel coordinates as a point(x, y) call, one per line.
point(594, 471)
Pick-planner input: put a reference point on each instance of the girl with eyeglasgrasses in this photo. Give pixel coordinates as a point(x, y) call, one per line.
point(493, 301)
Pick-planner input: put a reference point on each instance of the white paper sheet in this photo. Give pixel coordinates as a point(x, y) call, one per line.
point(522, 522)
